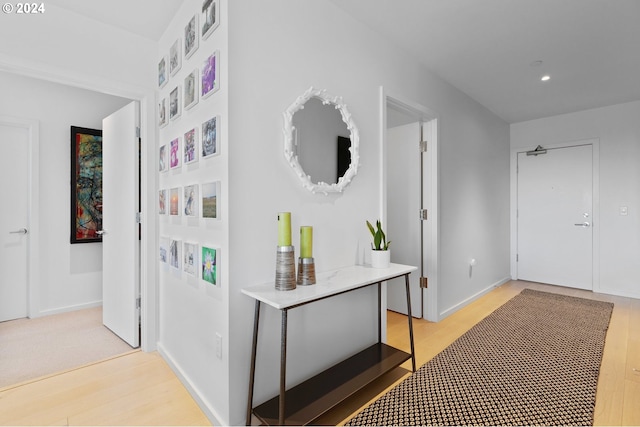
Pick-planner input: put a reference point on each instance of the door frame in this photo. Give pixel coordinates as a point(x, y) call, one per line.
point(149, 179)
point(33, 197)
point(426, 115)
point(595, 217)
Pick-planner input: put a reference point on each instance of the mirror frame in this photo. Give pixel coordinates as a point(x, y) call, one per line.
point(292, 158)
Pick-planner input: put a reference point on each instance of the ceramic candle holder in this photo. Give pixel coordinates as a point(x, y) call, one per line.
point(285, 268)
point(306, 272)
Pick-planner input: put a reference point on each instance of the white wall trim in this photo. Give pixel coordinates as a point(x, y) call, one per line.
point(68, 308)
point(204, 405)
point(472, 298)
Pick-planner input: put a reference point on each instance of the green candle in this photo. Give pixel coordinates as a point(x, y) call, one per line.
point(306, 241)
point(284, 229)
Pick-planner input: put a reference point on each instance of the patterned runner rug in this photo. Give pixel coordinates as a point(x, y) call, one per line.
point(533, 361)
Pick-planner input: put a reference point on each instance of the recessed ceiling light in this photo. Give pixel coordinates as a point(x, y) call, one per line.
point(545, 78)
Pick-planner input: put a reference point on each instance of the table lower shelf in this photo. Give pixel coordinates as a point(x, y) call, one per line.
point(314, 397)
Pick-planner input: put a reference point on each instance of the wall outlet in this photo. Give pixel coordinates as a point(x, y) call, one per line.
point(218, 345)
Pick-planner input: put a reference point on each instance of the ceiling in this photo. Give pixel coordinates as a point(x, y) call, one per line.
point(486, 48)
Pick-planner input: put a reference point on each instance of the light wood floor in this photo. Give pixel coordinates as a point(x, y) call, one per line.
point(140, 389)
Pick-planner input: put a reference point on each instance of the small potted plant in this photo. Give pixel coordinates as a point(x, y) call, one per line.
point(380, 255)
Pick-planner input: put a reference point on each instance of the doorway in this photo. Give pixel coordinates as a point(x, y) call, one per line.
point(410, 196)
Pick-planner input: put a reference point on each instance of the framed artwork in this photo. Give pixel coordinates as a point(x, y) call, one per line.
point(164, 250)
point(86, 185)
point(174, 153)
point(190, 146)
point(190, 251)
point(174, 202)
point(162, 165)
point(163, 76)
point(174, 103)
point(210, 265)
point(175, 57)
point(175, 250)
point(162, 202)
point(162, 113)
point(210, 191)
point(210, 80)
point(210, 17)
point(191, 37)
point(191, 89)
point(210, 130)
point(191, 200)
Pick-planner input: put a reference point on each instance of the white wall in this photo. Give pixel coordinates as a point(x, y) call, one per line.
point(71, 275)
point(618, 130)
point(277, 50)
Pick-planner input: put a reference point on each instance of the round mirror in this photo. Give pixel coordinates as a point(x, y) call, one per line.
point(321, 142)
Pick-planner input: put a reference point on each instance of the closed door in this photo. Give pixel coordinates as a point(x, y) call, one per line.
point(14, 178)
point(120, 238)
point(555, 224)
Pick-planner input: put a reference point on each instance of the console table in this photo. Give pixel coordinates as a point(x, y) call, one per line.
point(307, 401)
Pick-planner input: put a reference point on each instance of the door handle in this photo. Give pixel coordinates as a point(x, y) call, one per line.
point(21, 231)
point(583, 224)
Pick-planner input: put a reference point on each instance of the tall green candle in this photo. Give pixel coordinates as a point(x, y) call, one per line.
point(284, 229)
point(306, 241)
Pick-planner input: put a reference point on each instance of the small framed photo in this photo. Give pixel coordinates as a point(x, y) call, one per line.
point(191, 95)
point(210, 131)
point(175, 57)
point(191, 146)
point(210, 76)
point(210, 17)
point(191, 37)
point(174, 153)
point(175, 250)
point(163, 75)
point(191, 200)
point(162, 166)
point(190, 251)
point(210, 272)
point(174, 103)
point(162, 113)
point(174, 202)
point(210, 205)
point(164, 250)
point(162, 202)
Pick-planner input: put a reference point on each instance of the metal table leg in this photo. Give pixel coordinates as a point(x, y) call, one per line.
point(413, 352)
point(252, 374)
point(283, 367)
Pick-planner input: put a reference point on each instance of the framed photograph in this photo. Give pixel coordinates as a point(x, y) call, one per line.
point(174, 202)
point(191, 146)
point(164, 250)
point(162, 202)
point(191, 200)
point(210, 265)
point(86, 185)
point(175, 57)
point(162, 113)
point(190, 251)
point(163, 76)
point(174, 153)
point(175, 251)
point(174, 103)
point(210, 192)
point(210, 17)
point(210, 76)
point(162, 165)
point(191, 89)
point(210, 130)
point(191, 37)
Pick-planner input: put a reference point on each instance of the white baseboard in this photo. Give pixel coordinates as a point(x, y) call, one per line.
point(66, 309)
point(618, 293)
point(208, 410)
point(472, 298)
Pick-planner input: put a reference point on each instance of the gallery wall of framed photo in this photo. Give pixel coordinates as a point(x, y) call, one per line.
point(192, 166)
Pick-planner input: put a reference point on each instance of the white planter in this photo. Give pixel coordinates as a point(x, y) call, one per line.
point(380, 259)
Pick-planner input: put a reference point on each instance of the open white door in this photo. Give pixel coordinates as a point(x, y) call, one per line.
point(121, 235)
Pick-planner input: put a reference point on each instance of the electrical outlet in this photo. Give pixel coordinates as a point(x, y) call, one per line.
point(218, 345)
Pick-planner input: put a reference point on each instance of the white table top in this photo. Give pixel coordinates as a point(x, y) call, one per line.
point(328, 283)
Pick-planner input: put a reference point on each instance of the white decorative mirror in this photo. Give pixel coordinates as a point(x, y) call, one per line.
point(321, 141)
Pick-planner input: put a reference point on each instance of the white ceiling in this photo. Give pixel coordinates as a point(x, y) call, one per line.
point(591, 48)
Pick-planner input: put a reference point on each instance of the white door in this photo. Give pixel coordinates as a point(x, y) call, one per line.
point(14, 178)
point(555, 208)
point(403, 206)
point(121, 238)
